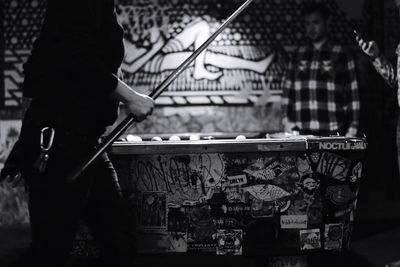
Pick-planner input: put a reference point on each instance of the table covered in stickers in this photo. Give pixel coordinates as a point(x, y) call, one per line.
point(275, 196)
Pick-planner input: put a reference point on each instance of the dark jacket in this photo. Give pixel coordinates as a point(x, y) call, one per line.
point(74, 62)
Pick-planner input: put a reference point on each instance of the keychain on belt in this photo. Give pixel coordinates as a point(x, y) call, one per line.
point(46, 141)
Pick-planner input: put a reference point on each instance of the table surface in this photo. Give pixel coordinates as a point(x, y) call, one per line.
point(222, 143)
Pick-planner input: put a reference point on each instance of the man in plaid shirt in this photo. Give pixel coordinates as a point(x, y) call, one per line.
point(321, 91)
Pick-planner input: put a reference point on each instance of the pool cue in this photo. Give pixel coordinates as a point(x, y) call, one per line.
point(130, 119)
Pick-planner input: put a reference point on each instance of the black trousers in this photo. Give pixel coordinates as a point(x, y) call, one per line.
point(57, 207)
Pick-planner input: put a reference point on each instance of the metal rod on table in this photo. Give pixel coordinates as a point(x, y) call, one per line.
point(130, 119)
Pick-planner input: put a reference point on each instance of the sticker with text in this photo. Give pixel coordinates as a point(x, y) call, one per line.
point(237, 180)
point(342, 145)
point(294, 221)
point(310, 239)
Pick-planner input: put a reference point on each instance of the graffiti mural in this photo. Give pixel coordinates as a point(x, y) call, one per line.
point(245, 61)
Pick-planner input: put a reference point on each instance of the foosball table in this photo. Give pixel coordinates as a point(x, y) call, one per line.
point(241, 194)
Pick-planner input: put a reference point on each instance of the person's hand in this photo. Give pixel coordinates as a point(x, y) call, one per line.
point(370, 48)
point(11, 174)
point(140, 105)
point(288, 125)
point(351, 132)
point(120, 74)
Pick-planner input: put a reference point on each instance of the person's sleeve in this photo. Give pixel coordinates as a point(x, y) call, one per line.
point(287, 94)
point(353, 92)
point(383, 66)
point(79, 24)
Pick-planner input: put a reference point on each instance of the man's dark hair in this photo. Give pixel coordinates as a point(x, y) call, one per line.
point(313, 7)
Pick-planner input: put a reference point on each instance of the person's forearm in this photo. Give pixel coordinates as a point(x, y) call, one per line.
point(124, 93)
point(354, 118)
point(354, 103)
point(138, 104)
point(386, 70)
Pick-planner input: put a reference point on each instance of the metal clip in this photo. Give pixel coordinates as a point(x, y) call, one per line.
point(41, 162)
point(43, 146)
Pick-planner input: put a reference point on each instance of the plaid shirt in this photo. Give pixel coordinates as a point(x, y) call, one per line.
point(321, 89)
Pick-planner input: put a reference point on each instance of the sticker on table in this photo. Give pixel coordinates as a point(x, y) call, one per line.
point(162, 242)
point(288, 261)
point(293, 221)
point(229, 241)
point(314, 211)
point(356, 173)
point(238, 209)
point(269, 169)
point(333, 236)
point(310, 239)
point(153, 214)
point(303, 165)
point(234, 194)
point(177, 242)
point(340, 194)
point(315, 157)
point(266, 192)
point(237, 180)
point(342, 213)
point(347, 233)
point(177, 220)
point(202, 229)
point(309, 184)
point(283, 205)
point(262, 209)
point(334, 166)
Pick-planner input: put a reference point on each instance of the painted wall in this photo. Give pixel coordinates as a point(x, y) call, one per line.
point(245, 61)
